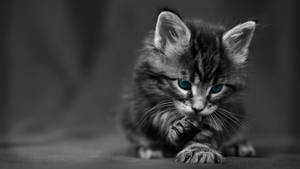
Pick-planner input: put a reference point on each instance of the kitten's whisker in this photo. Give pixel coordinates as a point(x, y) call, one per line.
point(152, 111)
point(218, 118)
point(232, 122)
point(223, 122)
point(231, 116)
point(230, 119)
point(246, 120)
point(217, 121)
point(228, 122)
point(213, 119)
point(228, 127)
point(159, 105)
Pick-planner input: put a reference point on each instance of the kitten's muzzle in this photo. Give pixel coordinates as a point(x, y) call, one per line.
point(197, 110)
point(198, 106)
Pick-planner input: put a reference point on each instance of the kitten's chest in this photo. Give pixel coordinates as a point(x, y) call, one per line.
point(210, 123)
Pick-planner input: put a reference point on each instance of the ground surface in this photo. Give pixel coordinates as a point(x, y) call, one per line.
point(110, 151)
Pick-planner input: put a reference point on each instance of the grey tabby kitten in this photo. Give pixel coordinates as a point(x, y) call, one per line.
point(185, 101)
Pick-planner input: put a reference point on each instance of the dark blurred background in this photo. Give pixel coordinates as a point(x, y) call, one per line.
point(63, 64)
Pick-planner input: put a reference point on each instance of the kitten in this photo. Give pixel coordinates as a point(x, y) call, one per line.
point(185, 101)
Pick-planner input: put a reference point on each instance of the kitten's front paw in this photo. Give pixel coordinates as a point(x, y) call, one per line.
point(181, 129)
point(148, 153)
point(199, 153)
point(240, 149)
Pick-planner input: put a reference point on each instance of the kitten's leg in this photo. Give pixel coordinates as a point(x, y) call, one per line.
point(150, 153)
point(240, 148)
point(178, 130)
point(200, 150)
point(181, 130)
point(145, 148)
point(199, 153)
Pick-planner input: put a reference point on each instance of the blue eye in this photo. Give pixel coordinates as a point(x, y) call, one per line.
point(185, 85)
point(216, 89)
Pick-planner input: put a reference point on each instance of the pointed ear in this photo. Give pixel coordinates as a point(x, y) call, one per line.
point(237, 41)
point(171, 34)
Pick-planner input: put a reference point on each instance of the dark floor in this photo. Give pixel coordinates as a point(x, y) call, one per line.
point(110, 151)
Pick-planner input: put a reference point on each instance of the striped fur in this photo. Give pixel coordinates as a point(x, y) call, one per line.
point(153, 118)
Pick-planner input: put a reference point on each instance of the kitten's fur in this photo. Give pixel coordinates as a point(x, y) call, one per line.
point(194, 125)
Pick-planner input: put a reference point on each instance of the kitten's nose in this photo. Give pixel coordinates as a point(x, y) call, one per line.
point(197, 110)
point(198, 106)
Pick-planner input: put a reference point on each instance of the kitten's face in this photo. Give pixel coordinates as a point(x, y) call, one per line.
point(199, 82)
point(196, 66)
point(199, 98)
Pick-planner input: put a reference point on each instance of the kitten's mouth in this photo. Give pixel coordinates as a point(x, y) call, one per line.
point(208, 111)
point(205, 113)
point(186, 109)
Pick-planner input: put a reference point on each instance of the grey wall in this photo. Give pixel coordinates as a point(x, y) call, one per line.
point(63, 63)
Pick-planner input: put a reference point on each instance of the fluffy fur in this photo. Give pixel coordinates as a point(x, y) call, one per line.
point(195, 125)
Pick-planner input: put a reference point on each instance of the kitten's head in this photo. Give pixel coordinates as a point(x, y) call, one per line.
point(196, 65)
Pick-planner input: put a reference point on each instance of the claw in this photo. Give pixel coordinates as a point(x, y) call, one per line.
point(198, 153)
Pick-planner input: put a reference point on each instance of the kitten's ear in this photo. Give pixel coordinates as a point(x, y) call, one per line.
point(237, 41)
point(171, 33)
